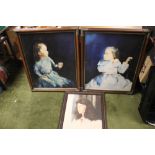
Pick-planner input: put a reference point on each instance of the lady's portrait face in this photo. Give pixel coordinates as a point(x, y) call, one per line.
point(108, 55)
point(81, 108)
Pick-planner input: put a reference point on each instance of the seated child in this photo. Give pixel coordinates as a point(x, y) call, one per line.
point(43, 68)
point(111, 69)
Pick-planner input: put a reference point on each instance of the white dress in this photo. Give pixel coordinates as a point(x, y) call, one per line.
point(83, 124)
point(110, 79)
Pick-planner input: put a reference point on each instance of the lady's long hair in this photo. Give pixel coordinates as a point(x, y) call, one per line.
point(90, 112)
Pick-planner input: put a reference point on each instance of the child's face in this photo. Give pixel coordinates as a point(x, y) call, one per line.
point(108, 55)
point(43, 50)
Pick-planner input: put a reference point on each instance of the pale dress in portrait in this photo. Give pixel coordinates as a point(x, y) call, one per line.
point(83, 124)
point(47, 77)
point(111, 78)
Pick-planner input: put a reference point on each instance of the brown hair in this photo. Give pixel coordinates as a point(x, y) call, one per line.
point(90, 112)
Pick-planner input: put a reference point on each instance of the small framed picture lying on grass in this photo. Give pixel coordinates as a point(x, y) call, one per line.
point(83, 111)
point(51, 58)
point(112, 58)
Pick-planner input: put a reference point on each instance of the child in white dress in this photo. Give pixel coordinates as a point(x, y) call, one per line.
point(111, 69)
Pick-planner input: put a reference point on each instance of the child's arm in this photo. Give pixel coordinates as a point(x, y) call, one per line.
point(124, 66)
point(36, 70)
point(59, 65)
point(128, 59)
point(53, 63)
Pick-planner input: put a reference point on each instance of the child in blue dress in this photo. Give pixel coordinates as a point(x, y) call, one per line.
point(43, 68)
point(111, 69)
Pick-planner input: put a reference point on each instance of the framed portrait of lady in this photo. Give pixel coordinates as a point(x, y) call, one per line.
point(81, 110)
point(112, 58)
point(51, 57)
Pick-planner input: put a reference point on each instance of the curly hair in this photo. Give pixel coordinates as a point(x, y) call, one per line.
point(114, 50)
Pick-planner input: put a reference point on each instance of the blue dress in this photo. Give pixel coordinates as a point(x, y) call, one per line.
point(47, 78)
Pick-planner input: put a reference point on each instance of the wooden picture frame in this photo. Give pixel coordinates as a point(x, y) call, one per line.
point(83, 110)
point(57, 69)
point(112, 58)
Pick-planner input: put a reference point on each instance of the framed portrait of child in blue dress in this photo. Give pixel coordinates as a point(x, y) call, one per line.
point(112, 58)
point(51, 58)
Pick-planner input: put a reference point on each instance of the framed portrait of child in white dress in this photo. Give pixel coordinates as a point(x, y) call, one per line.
point(112, 58)
point(51, 58)
point(83, 110)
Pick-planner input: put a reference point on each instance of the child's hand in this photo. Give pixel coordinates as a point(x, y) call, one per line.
point(44, 77)
point(60, 65)
point(128, 59)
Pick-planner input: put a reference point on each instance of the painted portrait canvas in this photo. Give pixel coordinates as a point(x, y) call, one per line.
point(51, 59)
point(83, 111)
point(112, 58)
